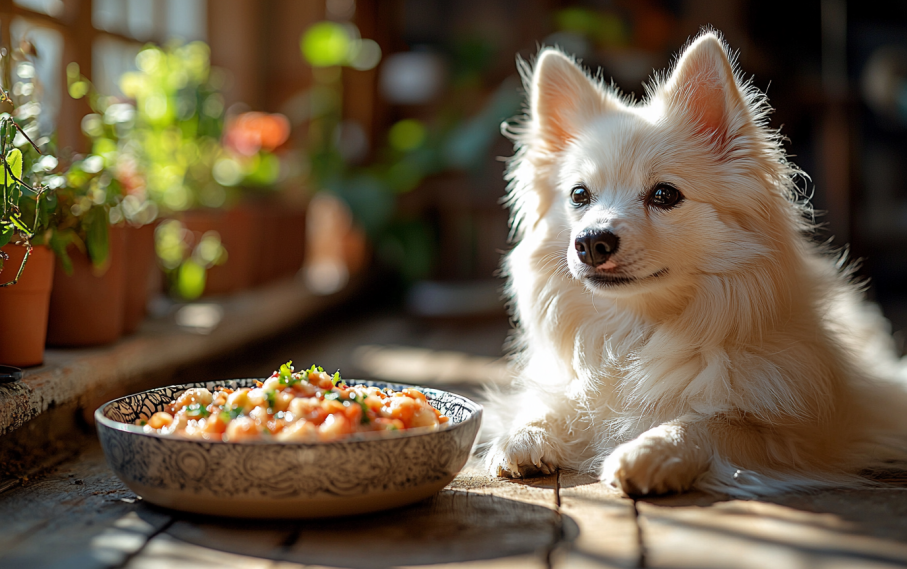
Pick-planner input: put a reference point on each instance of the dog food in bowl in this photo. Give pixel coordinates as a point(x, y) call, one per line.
point(305, 406)
point(265, 476)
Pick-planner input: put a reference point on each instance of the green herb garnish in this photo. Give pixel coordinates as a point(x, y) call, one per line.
point(286, 373)
point(272, 399)
point(362, 404)
point(196, 411)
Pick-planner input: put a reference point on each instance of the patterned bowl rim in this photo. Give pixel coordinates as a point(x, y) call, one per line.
point(475, 415)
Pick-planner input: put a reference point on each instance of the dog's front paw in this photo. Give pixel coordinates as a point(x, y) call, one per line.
point(522, 453)
point(656, 462)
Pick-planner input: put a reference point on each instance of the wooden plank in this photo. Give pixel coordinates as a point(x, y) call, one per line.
point(78, 516)
point(167, 552)
point(599, 525)
point(91, 376)
point(193, 541)
point(837, 529)
point(478, 521)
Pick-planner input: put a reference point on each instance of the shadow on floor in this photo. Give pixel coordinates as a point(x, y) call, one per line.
point(454, 526)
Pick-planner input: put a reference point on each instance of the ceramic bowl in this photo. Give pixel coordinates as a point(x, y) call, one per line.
point(362, 473)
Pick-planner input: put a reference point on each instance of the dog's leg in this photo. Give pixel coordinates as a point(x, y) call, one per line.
point(527, 448)
point(667, 458)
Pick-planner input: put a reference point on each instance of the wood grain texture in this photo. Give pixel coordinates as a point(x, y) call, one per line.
point(478, 521)
point(168, 552)
point(77, 516)
point(599, 525)
point(836, 529)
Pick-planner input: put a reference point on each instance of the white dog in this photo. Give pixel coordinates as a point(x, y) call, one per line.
point(676, 326)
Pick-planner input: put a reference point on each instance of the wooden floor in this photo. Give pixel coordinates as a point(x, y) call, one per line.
point(77, 514)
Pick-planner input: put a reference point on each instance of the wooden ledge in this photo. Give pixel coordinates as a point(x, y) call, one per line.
point(182, 335)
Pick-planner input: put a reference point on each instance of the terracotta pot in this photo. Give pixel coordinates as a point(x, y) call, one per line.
point(236, 230)
point(24, 306)
point(141, 262)
point(281, 249)
point(294, 241)
point(267, 223)
point(86, 308)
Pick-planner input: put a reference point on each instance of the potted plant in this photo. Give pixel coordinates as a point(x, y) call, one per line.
point(252, 143)
point(87, 302)
point(109, 129)
point(175, 141)
point(26, 264)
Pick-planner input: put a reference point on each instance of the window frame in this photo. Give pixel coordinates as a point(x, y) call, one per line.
point(75, 25)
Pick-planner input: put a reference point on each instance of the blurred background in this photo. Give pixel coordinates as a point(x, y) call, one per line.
point(378, 122)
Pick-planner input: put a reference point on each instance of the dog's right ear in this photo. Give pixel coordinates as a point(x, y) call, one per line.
point(563, 98)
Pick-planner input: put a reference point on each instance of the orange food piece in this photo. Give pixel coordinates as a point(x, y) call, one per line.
point(415, 394)
point(353, 413)
point(160, 420)
point(215, 425)
point(335, 425)
point(332, 406)
point(403, 408)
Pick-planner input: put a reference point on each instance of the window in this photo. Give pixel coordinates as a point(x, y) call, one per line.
point(48, 44)
point(104, 51)
point(148, 20)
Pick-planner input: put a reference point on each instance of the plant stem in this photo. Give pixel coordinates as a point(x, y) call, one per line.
point(28, 249)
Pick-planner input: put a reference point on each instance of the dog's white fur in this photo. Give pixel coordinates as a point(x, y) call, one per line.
point(742, 360)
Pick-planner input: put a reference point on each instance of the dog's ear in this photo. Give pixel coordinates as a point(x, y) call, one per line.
point(704, 88)
point(563, 97)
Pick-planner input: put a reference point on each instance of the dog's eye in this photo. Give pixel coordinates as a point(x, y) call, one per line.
point(664, 196)
point(580, 196)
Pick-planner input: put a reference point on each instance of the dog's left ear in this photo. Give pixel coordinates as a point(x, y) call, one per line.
point(703, 87)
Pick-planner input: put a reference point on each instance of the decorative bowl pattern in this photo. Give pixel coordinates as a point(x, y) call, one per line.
point(272, 479)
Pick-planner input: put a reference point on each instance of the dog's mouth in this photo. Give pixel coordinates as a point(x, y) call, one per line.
point(605, 280)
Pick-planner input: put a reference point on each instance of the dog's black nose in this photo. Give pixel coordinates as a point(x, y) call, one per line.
point(594, 247)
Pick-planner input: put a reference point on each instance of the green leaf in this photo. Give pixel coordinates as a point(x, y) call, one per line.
point(336, 379)
point(364, 420)
point(59, 241)
point(326, 44)
point(97, 236)
point(190, 283)
point(14, 160)
point(16, 220)
point(6, 233)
